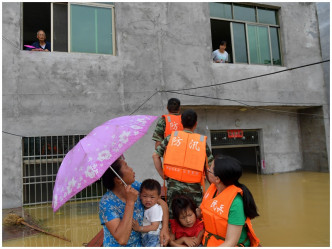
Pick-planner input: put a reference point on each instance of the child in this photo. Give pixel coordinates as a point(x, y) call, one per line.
point(186, 229)
point(220, 55)
point(150, 193)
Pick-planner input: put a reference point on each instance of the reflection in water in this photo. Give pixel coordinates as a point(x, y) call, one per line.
point(293, 207)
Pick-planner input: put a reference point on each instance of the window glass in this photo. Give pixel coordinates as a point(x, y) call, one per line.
point(221, 10)
point(60, 27)
point(259, 45)
point(267, 16)
point(275, 46)
point(239, 40)
point(91, 29)
point(104, 35)
point(245, 13)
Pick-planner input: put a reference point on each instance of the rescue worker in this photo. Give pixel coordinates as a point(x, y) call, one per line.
point(168, 122)
point(228, 207)
point(184, 161)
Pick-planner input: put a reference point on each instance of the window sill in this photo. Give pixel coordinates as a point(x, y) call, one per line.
point(68, 52)
point(246, 65)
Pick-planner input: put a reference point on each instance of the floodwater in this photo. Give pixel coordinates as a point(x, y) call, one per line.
point(76, 221)
point(294, 211)
point(294, 208)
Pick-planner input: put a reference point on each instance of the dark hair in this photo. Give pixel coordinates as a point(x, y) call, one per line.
point(229, 171)
point(222, 43)
point(109, 176)
point(180, 203)
point(189, 118)
point(173, 105)
point(150, 184)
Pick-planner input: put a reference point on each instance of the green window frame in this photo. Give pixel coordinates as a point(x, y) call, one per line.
point(255, 32)
point(88, 27)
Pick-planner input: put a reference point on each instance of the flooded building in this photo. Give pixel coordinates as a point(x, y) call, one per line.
point(268, 106)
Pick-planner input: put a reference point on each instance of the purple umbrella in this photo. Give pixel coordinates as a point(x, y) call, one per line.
point(89, 159)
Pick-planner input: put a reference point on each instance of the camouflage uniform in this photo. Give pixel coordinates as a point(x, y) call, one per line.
point(158, 134)
point(174, 187)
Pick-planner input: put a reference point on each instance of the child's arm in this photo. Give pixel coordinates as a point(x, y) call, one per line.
point(199, 237)
point(176, 243)
point(145, 229)
point(164, 233)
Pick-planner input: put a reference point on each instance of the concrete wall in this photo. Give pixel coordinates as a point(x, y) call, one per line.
point(313, 137)
point(159, 46)
point(323, 14)
point(12, 187)
point(280, 137)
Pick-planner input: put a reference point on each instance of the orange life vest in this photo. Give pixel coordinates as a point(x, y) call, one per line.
point(215, 215)
point(173, 123)
point(185, 157)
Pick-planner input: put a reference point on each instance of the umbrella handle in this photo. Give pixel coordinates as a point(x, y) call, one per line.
point(118, 176)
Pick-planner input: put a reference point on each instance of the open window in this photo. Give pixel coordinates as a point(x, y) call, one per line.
point(221, 31)
point(251, 32)
point(36, 16)
point(71, 27)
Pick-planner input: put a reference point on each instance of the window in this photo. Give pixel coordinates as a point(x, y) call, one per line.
point(71, 27)
point(251, 32)
point(42, 157)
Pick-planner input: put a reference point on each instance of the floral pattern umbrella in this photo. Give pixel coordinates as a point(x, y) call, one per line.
point(88, 160)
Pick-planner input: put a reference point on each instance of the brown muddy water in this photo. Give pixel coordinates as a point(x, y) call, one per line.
point(294, 211)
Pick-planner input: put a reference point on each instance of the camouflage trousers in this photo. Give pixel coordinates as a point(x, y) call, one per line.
point(192, 190)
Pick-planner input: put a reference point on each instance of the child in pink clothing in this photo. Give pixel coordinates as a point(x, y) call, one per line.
point(186, 229)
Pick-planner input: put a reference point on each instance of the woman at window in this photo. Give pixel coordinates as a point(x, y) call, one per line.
point(220, 55)
point(121, 205)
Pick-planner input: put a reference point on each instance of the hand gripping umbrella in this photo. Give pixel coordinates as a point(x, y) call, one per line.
point(89, 159)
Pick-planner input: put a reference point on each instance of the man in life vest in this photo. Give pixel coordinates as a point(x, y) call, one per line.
point(185, 159)
point(168, 122)
point(228, 207)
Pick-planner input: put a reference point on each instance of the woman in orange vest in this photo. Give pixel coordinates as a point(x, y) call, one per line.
point(228, 207)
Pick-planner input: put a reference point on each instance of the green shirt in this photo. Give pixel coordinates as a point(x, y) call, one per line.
point(236, 216)
point(162, 148)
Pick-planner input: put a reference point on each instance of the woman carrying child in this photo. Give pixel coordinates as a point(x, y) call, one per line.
point(228, 207)
point(186, 229)
point(120, 205)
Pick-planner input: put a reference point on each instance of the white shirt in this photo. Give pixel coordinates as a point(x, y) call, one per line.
point(153, 214)
point(217, 56)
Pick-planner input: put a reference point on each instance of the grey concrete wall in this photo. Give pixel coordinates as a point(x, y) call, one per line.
point(12, 187)
point(280, 136)
point(323, 14)
point(159, 46)
point(313, 137)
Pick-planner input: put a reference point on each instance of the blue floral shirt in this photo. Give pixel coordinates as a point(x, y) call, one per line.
point(111, 207)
